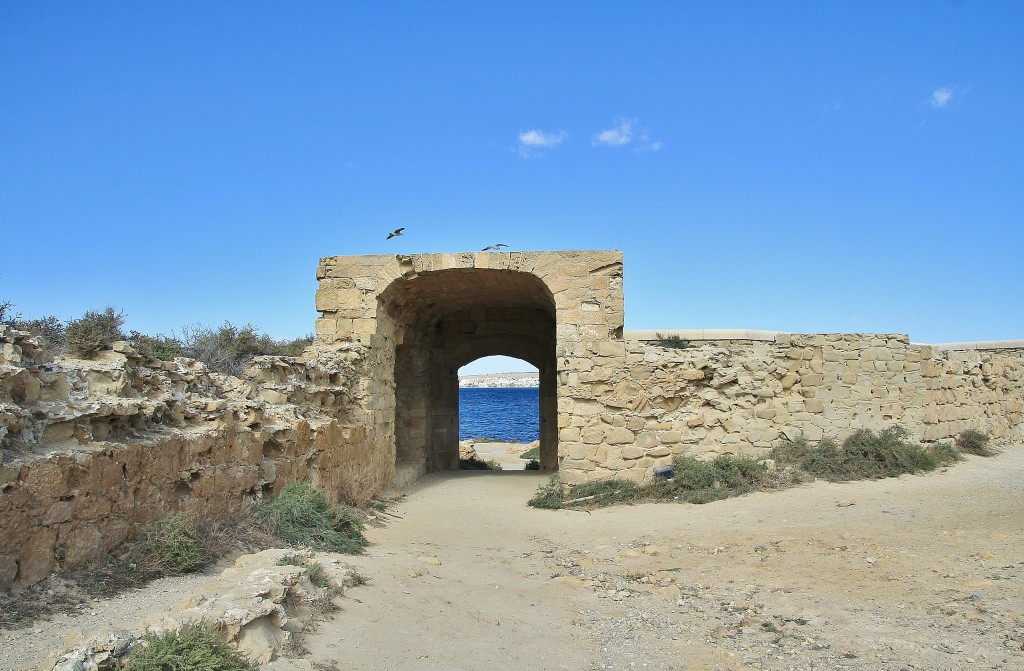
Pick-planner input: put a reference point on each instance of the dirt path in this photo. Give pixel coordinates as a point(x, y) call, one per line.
point(919, 572)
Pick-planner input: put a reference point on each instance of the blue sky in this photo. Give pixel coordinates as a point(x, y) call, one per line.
point(793, 166)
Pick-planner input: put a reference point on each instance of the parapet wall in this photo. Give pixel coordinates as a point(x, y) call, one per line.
point(639, 404)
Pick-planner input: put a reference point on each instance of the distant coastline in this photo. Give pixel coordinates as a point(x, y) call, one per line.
point(499, 380)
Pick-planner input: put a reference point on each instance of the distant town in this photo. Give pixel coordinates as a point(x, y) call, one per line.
point(498, 380)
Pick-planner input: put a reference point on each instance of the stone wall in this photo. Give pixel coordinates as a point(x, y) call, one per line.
point(616, 404)
point(640, 404)
point(91, 449)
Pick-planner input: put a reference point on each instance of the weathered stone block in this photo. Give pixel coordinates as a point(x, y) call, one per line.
point(45, 481)
point(8, 571)
point(36, 559)
point(620, 436)
point(632, 452)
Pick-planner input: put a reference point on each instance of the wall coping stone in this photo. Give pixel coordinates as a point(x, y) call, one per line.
point(703, 334)
point(981, 344)
point(768, 336)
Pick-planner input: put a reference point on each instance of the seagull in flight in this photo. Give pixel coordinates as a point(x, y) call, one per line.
point(395, 233)
point(496, 247)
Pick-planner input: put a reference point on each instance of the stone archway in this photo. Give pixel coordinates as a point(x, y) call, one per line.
point(406, 323)
point(443, 320)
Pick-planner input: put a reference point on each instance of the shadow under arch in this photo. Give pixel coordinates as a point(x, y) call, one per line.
point(441, 320)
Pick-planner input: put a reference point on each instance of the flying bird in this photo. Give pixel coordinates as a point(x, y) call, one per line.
point(395, 233)
point(494, 247)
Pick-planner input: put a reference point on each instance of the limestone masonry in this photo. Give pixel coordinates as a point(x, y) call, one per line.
point(93, 448)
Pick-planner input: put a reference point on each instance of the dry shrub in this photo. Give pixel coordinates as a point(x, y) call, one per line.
point(229, 531)
point(864, 455)
point(180, 543)
point(974, 442)
point(94, 332)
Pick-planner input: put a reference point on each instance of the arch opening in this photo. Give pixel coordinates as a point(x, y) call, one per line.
point(499, 412)
point(440, 321)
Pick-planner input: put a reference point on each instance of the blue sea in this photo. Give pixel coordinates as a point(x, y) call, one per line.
point(508, 415)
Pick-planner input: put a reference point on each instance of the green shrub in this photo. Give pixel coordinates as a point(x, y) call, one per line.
point(532, 453)
point(693, 481)
point(945, 453)
point(599, 491)
point(173, 546)
point(672, 342)
point(548, 496)
point(475, 463)
point(52, 330)
point(93, 332)
point(532, 465)
point(696, 481)
point(314, 569)
point(318, 575)
point(294, 347)
point(974, 442)
point(300, 515)
point(164, 348)
point(864, 454)
point(194, 647)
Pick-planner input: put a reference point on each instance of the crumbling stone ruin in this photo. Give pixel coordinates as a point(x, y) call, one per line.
point(94, 448)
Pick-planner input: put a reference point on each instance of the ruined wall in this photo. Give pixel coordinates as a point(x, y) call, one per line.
point(640, 404)
point(93, 448)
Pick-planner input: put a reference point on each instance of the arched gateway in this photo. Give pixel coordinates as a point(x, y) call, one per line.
point(424, 316)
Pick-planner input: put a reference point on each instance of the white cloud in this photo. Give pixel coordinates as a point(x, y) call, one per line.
point(627, 132)
point(533, 142)
point(616, 137)
point(941, 97)
point(647, 145)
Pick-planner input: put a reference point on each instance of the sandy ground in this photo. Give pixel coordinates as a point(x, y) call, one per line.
point(919, 572)
point(506, 454)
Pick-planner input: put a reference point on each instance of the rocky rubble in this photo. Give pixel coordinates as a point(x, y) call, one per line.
point(93, 448)
point(261, 607)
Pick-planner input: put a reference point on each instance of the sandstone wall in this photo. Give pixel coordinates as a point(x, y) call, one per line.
point(93, 448)
point(640, 404)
